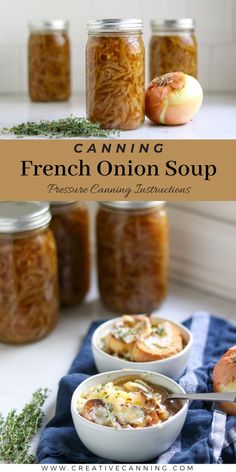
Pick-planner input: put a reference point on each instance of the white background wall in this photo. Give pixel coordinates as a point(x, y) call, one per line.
point(216, 31)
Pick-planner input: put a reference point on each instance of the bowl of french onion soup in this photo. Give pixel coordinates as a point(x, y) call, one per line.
point(126, 416)
point(142, 342)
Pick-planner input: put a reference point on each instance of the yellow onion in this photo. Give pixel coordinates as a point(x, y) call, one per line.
point(173, 99)
point(224, 378)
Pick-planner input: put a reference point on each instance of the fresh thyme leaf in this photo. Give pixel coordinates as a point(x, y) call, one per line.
point(16, 430)
point(69, 127)
point(125, 333)
point(159, 331)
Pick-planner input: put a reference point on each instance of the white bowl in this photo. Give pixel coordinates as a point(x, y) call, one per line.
point(128, 445)
point(172, 367)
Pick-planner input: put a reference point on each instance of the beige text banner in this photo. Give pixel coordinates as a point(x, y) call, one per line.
point(117, 170)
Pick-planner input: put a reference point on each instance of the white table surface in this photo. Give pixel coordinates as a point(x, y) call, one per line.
point(23, 369)
point(216, 119)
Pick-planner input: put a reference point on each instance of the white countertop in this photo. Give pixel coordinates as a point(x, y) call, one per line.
point(216, 119)
point(23, 369)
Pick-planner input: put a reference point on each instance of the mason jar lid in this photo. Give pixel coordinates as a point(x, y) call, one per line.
point(132, 205)
point(48, 25)
point(182, 24)
point(115, 25)
point(16, 217)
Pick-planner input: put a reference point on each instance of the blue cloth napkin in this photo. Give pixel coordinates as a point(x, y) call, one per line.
point(208, 436)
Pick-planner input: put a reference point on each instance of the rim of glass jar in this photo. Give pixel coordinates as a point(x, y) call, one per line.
point(115, 25)
point(132, 205)
point(20, 217)
point(47, 26)
point(59, 207)
point(177, 25)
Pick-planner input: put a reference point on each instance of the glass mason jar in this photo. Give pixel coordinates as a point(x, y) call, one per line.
point(173, 47)
point(70, 226)
point(28, 272)
point(132, 255)
point(49, 61)
point(115, 70)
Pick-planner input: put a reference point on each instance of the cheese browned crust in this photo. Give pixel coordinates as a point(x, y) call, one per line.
point(129, 402)
point(122, 337)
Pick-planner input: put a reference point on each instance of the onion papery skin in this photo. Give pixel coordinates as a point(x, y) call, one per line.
point(173, 99)
point(224, 378)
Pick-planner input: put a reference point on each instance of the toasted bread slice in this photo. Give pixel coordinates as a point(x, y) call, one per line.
point(94, 408)
point(124, 334)
point(164, 341)
point(117, 345)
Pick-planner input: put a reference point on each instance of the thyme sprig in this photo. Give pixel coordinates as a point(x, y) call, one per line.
point(70, 127)
point(17, 430)
point(159, 331)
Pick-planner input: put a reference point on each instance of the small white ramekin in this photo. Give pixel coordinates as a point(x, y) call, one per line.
point(128, 445)
point(172, 367)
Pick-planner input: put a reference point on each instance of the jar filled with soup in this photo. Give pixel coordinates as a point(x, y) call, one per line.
point(49, 61)
point(132, 255)
point(28, 272)
point(70, 226)
point(173, 47)
point(115, 73)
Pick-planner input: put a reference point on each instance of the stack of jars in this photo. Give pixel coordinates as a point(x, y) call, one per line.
point(115, 64)
point(44, 261)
